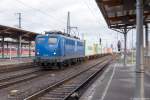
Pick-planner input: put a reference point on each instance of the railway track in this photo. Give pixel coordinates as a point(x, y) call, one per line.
point(11, 80)
point(15, 67)
point(65, 88)
point(15, 74)
point(29, 84)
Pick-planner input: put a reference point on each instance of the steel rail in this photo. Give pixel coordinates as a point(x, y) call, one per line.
point(85, 83)
point(15, 67)
point(5, 77)
point(17, 80)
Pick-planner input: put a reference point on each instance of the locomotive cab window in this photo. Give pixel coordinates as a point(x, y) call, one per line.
point(52, 40)
point(40, 39)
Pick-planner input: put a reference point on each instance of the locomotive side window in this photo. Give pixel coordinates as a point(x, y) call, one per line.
point(52, 40)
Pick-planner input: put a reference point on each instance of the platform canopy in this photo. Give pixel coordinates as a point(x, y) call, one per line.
point(14, 33)
point(122, 13)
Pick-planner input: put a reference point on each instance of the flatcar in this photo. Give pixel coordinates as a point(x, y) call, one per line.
point(56, 48)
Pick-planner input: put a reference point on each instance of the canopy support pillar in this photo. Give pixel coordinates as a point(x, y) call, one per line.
point(19, 46)
point(139, 81)
point(7, 48)
point(2, 45)
point(125, 46)
point(29, 48)
point(146, 38)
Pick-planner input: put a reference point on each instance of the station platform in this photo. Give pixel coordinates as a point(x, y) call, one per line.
point(117, 83)
point(14, 61)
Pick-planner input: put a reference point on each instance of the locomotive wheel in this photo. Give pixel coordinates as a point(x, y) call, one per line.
point(68, 63)
point(60, 65)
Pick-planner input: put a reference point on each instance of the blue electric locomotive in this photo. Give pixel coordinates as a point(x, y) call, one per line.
point(57, 48)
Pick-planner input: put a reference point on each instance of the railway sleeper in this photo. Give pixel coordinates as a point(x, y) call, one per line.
point(70, 85)
point(49, 98)
point(61, 90)
point(55, 95)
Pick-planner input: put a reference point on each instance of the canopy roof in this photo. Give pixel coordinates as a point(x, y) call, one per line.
point(122, 13)
point(10, 32)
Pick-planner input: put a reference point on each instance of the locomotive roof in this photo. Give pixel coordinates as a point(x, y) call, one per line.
point(62, 33)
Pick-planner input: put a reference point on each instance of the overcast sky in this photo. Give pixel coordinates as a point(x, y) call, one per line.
point(44, 15)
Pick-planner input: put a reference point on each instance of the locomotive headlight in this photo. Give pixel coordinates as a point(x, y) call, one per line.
point(54, 53)
point(38, 53)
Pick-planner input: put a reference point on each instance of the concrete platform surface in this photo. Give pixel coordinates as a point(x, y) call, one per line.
point(117, 83)
point(15, 61)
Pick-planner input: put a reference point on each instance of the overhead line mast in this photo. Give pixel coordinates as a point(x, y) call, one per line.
point(68, 23)
point(69, 27)
point(20, 37)
point(20, 19)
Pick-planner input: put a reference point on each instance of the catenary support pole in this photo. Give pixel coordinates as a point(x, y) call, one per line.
point(20, 37)
point(19, 19)
point(139, 82)
point(68, 23)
